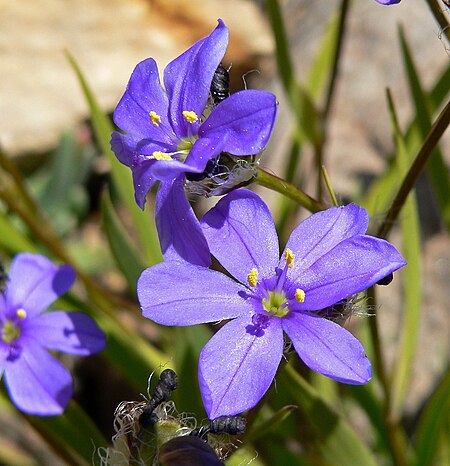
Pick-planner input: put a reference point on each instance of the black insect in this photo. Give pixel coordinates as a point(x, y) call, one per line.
point(386, 280)
point(233, 425)
point(166, 384)
point(211, 169)
point(220, 85)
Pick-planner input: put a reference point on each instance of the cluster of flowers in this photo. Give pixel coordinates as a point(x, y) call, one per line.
point(171, 135)
point(175, 136)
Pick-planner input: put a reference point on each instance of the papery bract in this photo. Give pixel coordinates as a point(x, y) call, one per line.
point(37, 383)
point(327, 259)
point(168, 135)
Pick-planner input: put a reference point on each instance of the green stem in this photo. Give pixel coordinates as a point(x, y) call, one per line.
point(394, 432)
point(319, 146)
point(11, 168)
point(336, 59)
point(277, 184)
point(425, 152)
point(39, 226)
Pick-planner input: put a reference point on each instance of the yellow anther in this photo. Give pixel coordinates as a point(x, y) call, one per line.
point(21, 313)
point(289, 256)
point(161, 155)
point(190, 116)
point(252, 277)
point(155, 118)
point(300, 295)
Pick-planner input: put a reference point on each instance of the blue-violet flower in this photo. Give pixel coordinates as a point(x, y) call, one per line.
point(327, 259)
point(388, 2)
point(169, 135)
point(37, 383)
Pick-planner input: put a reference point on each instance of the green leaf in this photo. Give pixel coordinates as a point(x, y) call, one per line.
point(186, 345)
point(410, 227)
point(59, 184)
point(323, 61)
point(73, 435)
point(12, 239)
point(336, 440)
point(126, 349)
point(433, 422)
point(437, 169)
point(121, 175)
point(270, 423)
point(127, 258)
point(382, 191)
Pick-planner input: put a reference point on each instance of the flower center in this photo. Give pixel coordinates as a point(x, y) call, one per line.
point(276, 303)
point(183, 149)
point(11, 328)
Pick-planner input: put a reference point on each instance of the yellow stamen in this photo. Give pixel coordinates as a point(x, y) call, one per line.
point(300, 295)
point(190, 116)
point(289, 256)
point(252, 277)
point(21, 313)
point(155, 118)
point(161, 155)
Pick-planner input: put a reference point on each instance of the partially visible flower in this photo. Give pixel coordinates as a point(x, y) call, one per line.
point(37, 383)
point(327, 259)
point(388, 2)
point(169, 135)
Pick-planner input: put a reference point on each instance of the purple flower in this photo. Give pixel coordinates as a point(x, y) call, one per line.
point(169, 135)
point(37, 383)
point(388, 2)
point(327, 259)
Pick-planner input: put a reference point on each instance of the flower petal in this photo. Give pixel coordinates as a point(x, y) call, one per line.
point(203, 150)
point(70, 332)
point(322, 231)
point(244, 120)
point(35, 283)
point(179, 293)
point(143, 95)
point(351, 267)
point(125, 148)
point(179, 231)
point(241, 235)
point(170, 169)
point(143, 180)
point(327, 348)
point(388, 2)
point(37, 383)
point(188, 78)
point(4, 352)
point(236, 367)
point(3, 307)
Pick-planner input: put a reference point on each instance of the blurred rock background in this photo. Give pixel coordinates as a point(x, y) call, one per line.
point(40, 96)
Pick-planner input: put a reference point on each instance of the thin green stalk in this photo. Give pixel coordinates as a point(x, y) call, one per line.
point(277, 184)
point(420, 161)
point(325, 112)
point(10, 167)
point(345, 5)
point(329, 187)
point(285, 67)
point(394, 432)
